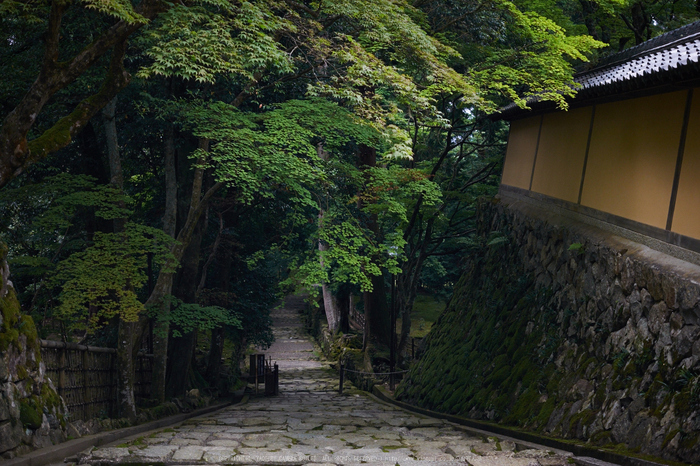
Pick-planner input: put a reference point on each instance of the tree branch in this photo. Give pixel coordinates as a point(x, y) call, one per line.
point(61, 133)
point(16, 152)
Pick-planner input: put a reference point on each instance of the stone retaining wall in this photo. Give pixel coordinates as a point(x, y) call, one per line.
point(565, 329)
point(31, 412)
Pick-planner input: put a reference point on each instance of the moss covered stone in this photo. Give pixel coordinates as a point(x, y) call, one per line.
point(542, 337)
point(10, 309)
point(30, 413)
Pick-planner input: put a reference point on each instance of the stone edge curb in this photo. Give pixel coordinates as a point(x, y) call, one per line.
point(486, 428)
point(57, 453)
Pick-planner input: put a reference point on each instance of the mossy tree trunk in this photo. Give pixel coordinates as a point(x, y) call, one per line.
point(17, 152)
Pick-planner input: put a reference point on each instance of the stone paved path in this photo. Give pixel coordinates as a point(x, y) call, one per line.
point(309, 423)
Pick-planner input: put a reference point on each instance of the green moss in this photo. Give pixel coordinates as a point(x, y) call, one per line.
point(553, 383)
point(603, 437)
point(49, 397)
point(500, 361)
point(27, 328)
point(585, 365)
point(671, 434)
point(682, 402)
point(545, 412)
point(500, 375)
point(387, 449)
point(54, 138)
point(30, 414)
point(630, 369)
point(523, 411)
point(9, 335)
point(584, 417)
point(22, 373)
point(600, 395)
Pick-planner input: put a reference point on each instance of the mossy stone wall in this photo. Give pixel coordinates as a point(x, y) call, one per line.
point(564, 329)
point(31, 412)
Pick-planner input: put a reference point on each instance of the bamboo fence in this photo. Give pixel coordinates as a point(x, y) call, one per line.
point(86, 377)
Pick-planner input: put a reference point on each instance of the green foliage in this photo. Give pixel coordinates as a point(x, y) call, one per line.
point(100, 282)
point(351, 252)
point(56, 200)
point(45, 223)
point(354, 253)
point(30, 11)
point(119, 9)
point(496, 238)
point(544, 55)
point(207, 39)
point(261, 154)
point(188, 317)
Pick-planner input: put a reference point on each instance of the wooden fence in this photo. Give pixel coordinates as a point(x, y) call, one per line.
point(357, 318)
point(86, 377)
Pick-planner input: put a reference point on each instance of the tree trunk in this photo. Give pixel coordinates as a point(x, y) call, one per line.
point(126, 353)
point(180, 356)
point(170, 214)
point(344, 303)
point(330, 304)
point(182, 348)
point(216, 347)
point(163, 285)
point(210, 259)
point(588, 9)
point(377, 318)
point(161, 329)
point(216, 351)
point(408, 284)
point(116, 175)
point(129, 336)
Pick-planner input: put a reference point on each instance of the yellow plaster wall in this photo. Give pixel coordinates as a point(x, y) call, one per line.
point(686, 216)
point(522, 144)
point(632, 157)
point(561, 153)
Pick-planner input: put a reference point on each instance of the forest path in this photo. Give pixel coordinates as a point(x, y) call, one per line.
point(310, 423)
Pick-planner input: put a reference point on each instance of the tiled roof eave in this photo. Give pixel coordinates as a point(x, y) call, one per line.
point(658, 64)
point(610, 87)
